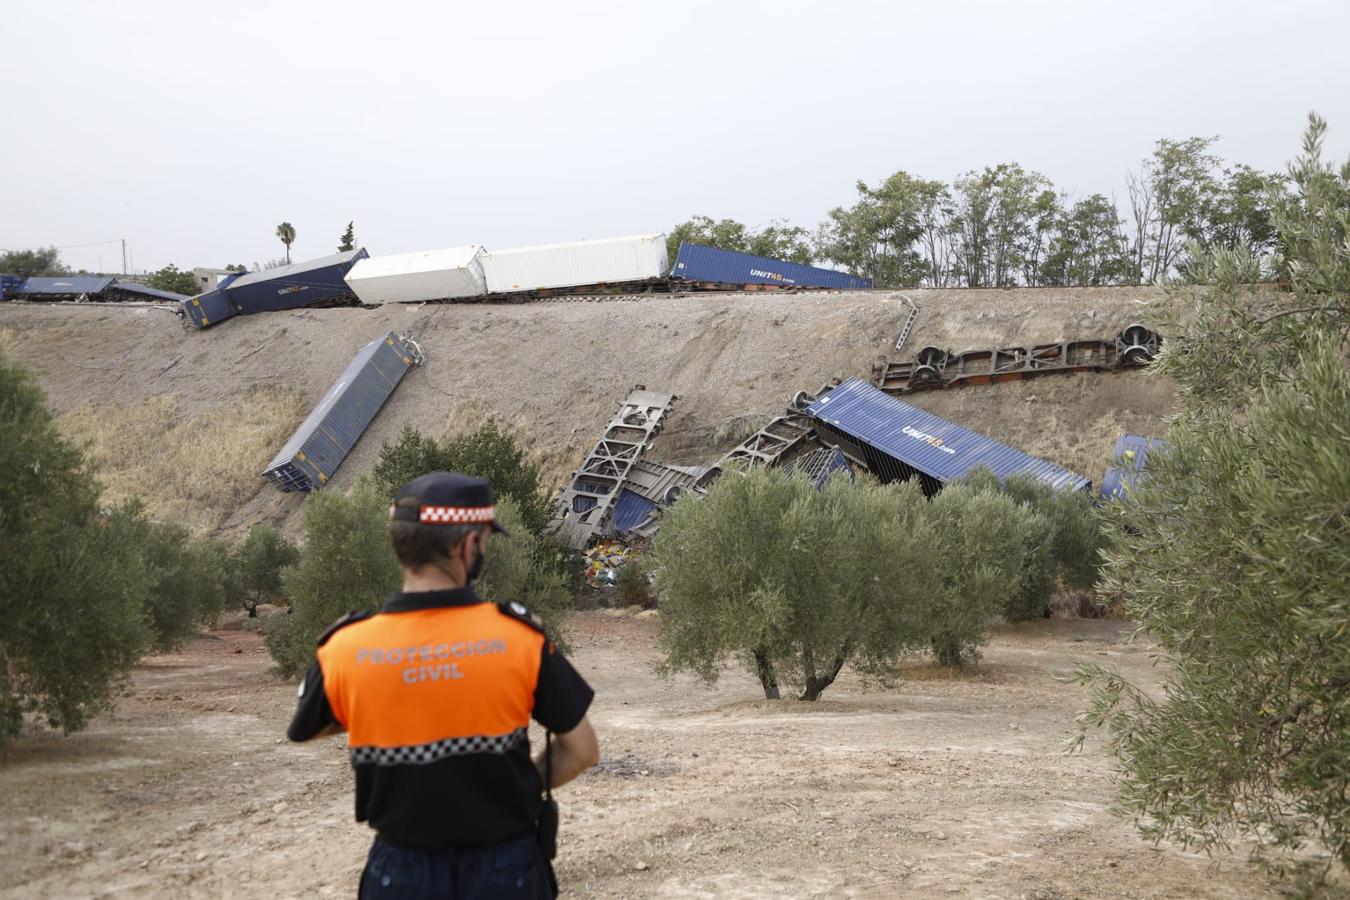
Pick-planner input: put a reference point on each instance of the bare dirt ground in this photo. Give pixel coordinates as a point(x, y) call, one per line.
point(940, 786)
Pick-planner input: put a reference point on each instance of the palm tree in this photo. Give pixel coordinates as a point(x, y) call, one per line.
point(286, 231)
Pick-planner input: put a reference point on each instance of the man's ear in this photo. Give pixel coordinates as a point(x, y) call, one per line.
point(469, 549)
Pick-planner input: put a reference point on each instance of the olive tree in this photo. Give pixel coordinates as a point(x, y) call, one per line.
point(346, 564)
point(1064, 545)
point(259, 563)
point(488, 451)
point(71, 583)
point(1234, 555)
point(987, 553)
point(793, 581)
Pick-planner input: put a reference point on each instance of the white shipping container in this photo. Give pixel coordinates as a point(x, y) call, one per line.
point(607, 261)
point(429, 275)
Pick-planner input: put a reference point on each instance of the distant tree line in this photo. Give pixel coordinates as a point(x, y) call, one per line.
point(1006, 226)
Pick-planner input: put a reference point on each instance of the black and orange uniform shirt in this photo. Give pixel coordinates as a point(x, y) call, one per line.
point(435, 694)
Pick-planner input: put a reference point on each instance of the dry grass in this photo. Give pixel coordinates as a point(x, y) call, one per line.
point(192, 469)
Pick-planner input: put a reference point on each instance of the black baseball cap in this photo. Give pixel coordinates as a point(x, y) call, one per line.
point(447, 498)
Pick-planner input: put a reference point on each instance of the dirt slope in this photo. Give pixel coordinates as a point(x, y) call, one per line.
point(171, 409)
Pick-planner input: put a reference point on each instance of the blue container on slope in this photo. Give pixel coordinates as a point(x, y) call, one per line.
point(59, 286)
point(898, 441)
point(1128, 457)
point(208, 309)
point(697, 262)
point(9, 285)
point(330, 432)
point(299, 284)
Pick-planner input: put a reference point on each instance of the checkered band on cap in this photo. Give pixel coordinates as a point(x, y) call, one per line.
point(457, 515)
point(422, 754)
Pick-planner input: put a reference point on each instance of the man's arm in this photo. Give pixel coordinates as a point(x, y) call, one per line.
point(574, 752)
point(314, 716)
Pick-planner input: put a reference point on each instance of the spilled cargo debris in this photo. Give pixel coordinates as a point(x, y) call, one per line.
point(311, 456)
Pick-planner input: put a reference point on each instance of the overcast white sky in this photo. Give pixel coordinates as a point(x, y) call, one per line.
point(192, 129)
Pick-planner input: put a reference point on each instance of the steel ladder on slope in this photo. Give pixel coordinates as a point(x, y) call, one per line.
point(909, 322)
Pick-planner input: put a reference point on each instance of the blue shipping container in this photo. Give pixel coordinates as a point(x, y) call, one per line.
point(898, 441)
point(1129, 457)
point(9, 286)
point(325, 438)
point(208, 309)
point(630, 511)
point(696, 262)
point(299, 284)
point(39, 288)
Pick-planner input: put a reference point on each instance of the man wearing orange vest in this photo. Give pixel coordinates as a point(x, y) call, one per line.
point(435, 693)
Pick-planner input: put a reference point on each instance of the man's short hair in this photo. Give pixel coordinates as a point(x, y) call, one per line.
point(418, 545)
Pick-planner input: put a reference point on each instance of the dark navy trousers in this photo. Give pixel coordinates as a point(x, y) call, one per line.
point(515, 869)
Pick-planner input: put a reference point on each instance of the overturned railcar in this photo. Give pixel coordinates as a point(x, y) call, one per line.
point(896, 441)
point(311, 456)
point(308, 283)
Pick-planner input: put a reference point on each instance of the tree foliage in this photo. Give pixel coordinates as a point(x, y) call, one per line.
point(170, 279)
point(1234, 555)
point(286, 234)
point(487, 452)
point(259, 562)
point(1005, 225)
point(778, 239)
point(1070, 528)
point(525, 568)
point(793, 581)
point(71, 583)
point(29, 263)
point(348, 240)
point(184, 581)
point(346, 564)
point(877, 236)
point(986, 551)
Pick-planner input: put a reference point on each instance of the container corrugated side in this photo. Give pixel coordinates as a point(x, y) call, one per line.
point(697, 262)
point(205, 310)
point(9, 286)
point(300, 284)
point(448, 274)
point(318, 447)
point(630, 511)
point(1128, 459)
point(609, 261)
point(899, 441)
point(64, 285)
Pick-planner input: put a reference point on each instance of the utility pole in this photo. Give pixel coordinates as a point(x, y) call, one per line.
point(124, 256)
